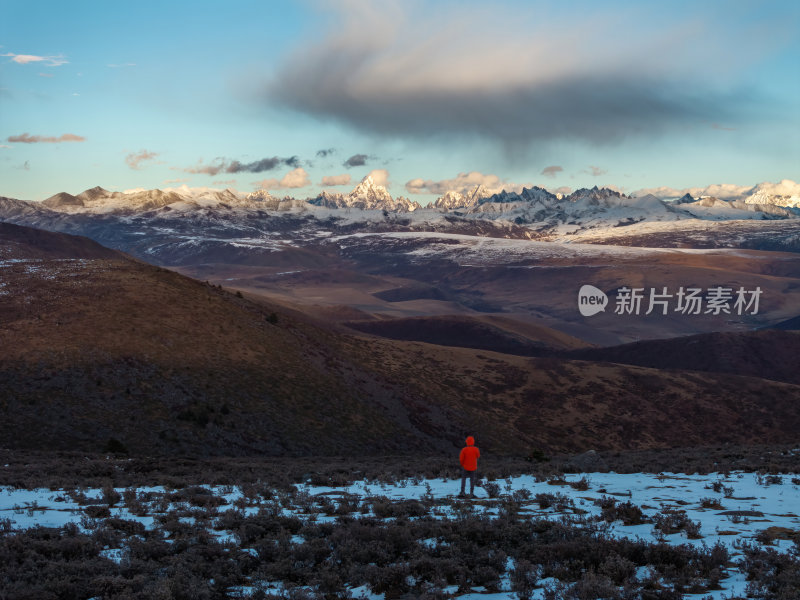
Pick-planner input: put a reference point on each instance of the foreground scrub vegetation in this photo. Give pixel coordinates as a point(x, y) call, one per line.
point(317, 531)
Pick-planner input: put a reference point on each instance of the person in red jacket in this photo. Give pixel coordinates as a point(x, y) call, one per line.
point(469, 462)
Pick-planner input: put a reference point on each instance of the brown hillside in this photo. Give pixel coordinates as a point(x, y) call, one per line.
point(95, 349)
point(30, 243)
point(494, 333)
point(769, 354)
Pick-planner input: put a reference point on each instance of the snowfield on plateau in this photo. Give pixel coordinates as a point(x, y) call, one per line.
point(734, 510)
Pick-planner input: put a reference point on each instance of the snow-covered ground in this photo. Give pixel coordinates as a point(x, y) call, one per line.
point(475, 250)
point(739, 508)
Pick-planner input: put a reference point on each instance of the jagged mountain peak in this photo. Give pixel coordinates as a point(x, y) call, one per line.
point(367, 195)
point(596, 196)
point(595, 192)
point(527, 195)
point(453, 199)
point(450, 200)
point(260, 195)
point(94, 193)
point(368, 188)
point(537, 193)
point(62, 200)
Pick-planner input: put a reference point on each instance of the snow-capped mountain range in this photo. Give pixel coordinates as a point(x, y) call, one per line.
point(167, 225)
point(784, 193)
point(530, 205)
point(100, 201)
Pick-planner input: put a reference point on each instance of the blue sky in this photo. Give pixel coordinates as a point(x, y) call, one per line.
point(429, 95)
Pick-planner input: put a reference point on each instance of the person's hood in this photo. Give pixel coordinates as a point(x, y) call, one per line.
point(470, 441)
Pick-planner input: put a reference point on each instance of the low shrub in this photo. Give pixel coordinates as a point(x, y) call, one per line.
point(581, 485)
point(627, 512)
point(711, 503)
point(524, 577)
point(97, 511)
point(671, 520)
point(492, 489)
point(559, 501)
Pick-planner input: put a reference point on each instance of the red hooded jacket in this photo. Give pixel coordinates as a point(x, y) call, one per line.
point(469, 455)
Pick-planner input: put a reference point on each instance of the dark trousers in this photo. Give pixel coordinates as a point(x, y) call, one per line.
point(468, 475)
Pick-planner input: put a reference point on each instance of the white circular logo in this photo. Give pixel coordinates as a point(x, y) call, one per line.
point(591, 300)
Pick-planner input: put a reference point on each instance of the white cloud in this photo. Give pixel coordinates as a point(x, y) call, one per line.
point(725, 191)
point(380, 176)
point(786, 187)
point(334, 180)
point(662, 191)
point(49, 61)
point(616, 188)
point(296, 178)
point(463, 183)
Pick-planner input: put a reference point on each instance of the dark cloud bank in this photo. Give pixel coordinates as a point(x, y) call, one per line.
point(516, 87)
point(235, 166)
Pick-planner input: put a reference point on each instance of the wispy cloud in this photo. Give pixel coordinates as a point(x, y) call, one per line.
point(325, 152)
point(179, 180)
point(224, 182)
point(296, 178)
point(45, 74)
point(357, 160)
point(463, 183)
point(222, 165)
point(135, 159)
point(596, 171)
point(552, 171)
point(41, 139)
point(49, 61)
point(384, 68)
point(203, 169)
point(334, 180)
